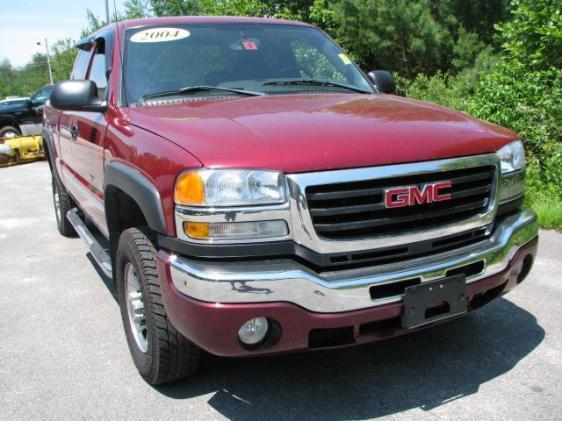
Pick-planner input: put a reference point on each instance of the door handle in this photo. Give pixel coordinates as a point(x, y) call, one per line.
point(74, 132)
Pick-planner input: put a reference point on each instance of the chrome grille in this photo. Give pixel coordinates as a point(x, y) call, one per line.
point(356, 209)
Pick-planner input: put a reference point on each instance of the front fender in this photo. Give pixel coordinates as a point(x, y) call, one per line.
point(50, 149)
point(132, 182)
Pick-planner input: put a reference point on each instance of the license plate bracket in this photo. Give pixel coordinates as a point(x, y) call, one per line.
point(436, 300)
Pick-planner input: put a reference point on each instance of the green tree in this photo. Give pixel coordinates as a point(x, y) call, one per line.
point(400, 35)
point(533, 36)
point(137, 9)
point(478, 16)
point(7, 76)
point(524, 92)
point(177, 7)
point(292, 9)
point(94, 23)
point(62, 59)
point(467, 47)
point(210, 7)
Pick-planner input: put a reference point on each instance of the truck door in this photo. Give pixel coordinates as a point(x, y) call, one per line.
point(68, 123)
point(88, 146)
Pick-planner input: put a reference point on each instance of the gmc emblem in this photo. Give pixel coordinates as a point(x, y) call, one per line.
point(398, 197)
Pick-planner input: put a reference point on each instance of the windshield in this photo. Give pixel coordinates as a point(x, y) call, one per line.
point(263, 58)
point(42, 95)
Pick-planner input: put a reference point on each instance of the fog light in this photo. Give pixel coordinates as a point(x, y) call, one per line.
point(254, 331)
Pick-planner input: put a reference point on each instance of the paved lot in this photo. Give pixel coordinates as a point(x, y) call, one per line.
point(63, 353)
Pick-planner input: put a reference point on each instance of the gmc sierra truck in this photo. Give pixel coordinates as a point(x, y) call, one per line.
point(250, 191)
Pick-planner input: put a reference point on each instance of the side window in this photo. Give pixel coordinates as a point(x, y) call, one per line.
point(81, 65)
point(98, 71)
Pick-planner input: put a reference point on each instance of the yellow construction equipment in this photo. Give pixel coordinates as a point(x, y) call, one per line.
point(20, 149)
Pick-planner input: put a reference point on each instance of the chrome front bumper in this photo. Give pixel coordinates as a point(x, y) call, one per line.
point(288, 281)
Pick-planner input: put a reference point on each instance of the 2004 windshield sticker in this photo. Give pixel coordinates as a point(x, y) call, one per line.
point(160, 35)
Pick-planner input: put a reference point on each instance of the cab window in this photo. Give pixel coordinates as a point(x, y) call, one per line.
point(81, 65)
point(98, 71)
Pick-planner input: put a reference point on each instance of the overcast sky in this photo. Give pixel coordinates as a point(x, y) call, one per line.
point(24, 22)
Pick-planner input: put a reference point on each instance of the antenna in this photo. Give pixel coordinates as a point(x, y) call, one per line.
point(107, 12)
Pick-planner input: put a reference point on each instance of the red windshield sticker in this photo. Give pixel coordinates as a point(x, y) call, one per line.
point(249, 45)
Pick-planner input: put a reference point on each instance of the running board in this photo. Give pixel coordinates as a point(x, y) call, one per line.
point(98, 252)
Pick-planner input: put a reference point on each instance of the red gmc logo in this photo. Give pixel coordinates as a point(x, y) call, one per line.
point(399, 197)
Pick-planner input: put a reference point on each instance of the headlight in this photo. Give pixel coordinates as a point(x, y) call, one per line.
point(230, 188)
point(512, 157)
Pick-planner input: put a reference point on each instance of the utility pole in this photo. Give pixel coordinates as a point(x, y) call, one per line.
point(48, 59)
point(107, 12)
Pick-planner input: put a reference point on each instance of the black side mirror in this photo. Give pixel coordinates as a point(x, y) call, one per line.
point(77, 95)
point(383, 80)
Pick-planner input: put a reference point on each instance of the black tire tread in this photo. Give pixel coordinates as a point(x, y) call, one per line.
point(9, 128)
point(174, 357)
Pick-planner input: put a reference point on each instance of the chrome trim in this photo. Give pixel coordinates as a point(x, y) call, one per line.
point(303, 229)
point(234, 214)
point(286, 280)
point(511, 186)
point(98, 252)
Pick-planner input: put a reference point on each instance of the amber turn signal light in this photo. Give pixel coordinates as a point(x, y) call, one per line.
point(190, 189)
point(197, 230)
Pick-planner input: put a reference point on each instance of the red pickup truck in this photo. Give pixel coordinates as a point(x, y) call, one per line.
point(251, 191)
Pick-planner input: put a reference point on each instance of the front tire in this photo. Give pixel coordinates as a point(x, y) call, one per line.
point(160, 353)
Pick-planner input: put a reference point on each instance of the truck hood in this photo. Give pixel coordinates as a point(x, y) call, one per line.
point(300, 133)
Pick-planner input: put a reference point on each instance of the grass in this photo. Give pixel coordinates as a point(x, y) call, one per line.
point(549, 211)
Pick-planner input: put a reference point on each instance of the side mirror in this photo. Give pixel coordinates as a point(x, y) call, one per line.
point(383, 80)
point(77, 95)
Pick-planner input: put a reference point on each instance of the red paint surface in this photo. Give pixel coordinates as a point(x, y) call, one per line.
point(298, 133)
point(249, 45)
point(290, 133)
point(214, 326)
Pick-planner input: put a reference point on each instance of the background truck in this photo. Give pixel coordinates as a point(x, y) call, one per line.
point(23, 115)
point(251, 191)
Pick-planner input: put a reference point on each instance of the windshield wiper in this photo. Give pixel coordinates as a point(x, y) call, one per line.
point(202, 88)
point(313, 82)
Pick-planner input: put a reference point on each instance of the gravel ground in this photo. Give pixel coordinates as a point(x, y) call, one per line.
point(63, 352)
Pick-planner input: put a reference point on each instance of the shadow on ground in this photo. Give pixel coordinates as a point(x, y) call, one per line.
point(422, 370)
